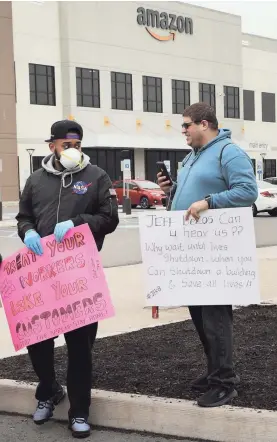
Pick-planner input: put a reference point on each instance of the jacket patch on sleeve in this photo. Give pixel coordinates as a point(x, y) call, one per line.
point(112, 192)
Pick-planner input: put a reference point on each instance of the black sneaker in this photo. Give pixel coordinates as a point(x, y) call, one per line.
point(200, 384)
point(217, 396)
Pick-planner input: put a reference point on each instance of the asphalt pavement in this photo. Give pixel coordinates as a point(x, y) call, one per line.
point(17, 428)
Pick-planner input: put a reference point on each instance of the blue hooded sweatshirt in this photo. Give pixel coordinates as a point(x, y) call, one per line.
point(230, 182)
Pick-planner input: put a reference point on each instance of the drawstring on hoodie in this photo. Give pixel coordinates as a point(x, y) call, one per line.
point(47, 164)
point(63, 185)
point(63, 180)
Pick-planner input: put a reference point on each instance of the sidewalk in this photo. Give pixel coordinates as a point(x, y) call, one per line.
point(11, 222)
point(127, 291)
point(15, 428)
point(9, 218)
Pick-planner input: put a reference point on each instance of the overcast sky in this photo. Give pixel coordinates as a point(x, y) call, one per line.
point(258, 17)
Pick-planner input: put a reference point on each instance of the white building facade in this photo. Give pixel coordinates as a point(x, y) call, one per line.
point(126, 70)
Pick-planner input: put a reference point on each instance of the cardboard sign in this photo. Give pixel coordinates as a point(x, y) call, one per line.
point(60, 291)
point(209, 262)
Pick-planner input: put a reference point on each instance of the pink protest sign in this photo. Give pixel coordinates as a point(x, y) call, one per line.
point(60, 291)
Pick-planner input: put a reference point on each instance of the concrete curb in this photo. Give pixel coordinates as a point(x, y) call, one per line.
point(10, 203)
point(13, 222)
point(124, 216)
point(155, 415)
point(8, 223)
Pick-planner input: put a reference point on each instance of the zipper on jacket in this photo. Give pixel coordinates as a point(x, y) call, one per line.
point(111, 207)
point(59, 202)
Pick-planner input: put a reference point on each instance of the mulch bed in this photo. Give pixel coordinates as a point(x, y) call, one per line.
point(162, 361)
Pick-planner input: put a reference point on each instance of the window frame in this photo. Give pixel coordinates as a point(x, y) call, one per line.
point(211, 92)
point(229, 92)
point(36, 92)
point(146, 101)
point(264, 119)
point(185, 90)
point(247, 93)
point(128, 98)
point(81, 96)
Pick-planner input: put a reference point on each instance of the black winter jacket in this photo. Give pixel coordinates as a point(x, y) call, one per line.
point(84, 196)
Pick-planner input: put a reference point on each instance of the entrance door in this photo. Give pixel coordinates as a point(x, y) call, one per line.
point(254, 165)
point(109, 159)
point(269, 168)
point(154, 155)
point(37, 162)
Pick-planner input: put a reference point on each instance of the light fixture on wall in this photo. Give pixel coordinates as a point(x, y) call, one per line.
point(263, 155)
point(167, 124)
point(30, 152)
point(138, 123)
point(71, 117)
point(106, 121)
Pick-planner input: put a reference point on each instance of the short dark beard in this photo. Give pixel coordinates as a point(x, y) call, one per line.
point(196, 148)
point(56, 163)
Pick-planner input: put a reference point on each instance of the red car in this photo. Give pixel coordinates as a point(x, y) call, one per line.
point(142, 193)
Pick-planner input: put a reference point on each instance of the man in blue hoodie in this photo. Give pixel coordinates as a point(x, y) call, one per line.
point(215, 174)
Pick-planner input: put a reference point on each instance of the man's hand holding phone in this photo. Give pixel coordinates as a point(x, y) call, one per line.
point(164, 179)
point(163, 182)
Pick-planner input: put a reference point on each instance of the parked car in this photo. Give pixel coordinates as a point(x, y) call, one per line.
point(142, 193)
point(267, 199)
point(271, 180)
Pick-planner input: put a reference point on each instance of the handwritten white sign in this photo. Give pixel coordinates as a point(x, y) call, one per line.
point(212, 262)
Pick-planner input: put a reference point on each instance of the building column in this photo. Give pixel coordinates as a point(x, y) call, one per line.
point(139, 164)
point(8, 140)
point(167, 96)
point(194, 92)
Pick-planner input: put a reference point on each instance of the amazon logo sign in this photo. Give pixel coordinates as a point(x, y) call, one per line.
point(162, 20)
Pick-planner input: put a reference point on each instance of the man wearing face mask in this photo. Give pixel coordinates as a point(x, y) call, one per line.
point(67, 191)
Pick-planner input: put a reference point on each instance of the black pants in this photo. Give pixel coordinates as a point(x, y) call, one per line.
point(79, 374)
point(214, 325)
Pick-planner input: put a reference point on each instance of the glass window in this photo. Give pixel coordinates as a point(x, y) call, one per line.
point(268, 107)
point(231, 102)
point(42, 84)
point(207, 94)
point(152, 94)
point(87, 87)
point(180, 96)
point(122, 94)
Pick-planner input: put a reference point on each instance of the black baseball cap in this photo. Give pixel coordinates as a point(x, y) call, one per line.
point(61, 129)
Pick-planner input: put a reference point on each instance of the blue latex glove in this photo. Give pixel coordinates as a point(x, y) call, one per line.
point(61, 229)
point(32, 241)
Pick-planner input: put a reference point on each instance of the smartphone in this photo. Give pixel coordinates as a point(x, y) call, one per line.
point(162, 168)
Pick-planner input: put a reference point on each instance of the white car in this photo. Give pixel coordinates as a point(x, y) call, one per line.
point(267, 199)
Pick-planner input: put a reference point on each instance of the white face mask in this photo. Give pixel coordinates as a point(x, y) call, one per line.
point(70, 158)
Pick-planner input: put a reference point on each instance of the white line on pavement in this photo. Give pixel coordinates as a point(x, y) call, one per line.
point(14, 235)
point(129, 227)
